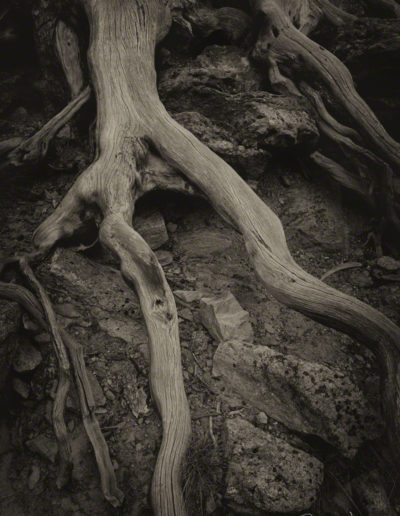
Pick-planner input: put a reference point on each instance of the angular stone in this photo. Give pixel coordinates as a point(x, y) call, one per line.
point(388, 263)
point(188, 296)
point(34, 477)
point(225, 319)
point(306, 397)
point(27, 357)
point(203, 242)
point(21, 387)
point(267, 474)
point(98, 395)
point(152, 228)
point(44, 446)
point(136, 399)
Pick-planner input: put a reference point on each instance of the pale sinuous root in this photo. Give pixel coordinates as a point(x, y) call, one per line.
point(284, 43)
point(141, 269)
point(130, 114)
point(267, 248)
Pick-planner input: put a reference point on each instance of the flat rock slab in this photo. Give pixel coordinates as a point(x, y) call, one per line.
point(151, 226)
point(307, 397)
point(103, 292)
point(203, 243)
point(225, 319)
point(267, 474)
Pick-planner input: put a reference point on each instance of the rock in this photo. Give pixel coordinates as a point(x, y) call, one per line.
point(42, 338)
point(186, 314)
point(67, 310)
point(98, 395)
point(233, 23)
point(151, 227)
point(227, 68)
point(267, 474)
point(44, 446)
point(203, 242)
point(10, 320)
point(21, 387)
point(361, 278)
point(388, 263)
point(225, 319)
point(370, 495)
point(112, 303)
point(164, 257)
point(34, 477)
point(27, 357)
point(262, 418)
point(136, 399)
point(29, 324)
point(188, 296)
point(172, 227)
point(306, 397)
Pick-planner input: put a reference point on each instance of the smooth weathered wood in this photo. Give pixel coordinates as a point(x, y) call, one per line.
point(29, 302)
point(67, 45)
point(283, 42)
point(130, 116)
point(140, 268)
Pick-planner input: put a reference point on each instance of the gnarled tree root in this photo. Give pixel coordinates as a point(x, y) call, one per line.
point(28, 301)
point(130, 119)
point(280, 40)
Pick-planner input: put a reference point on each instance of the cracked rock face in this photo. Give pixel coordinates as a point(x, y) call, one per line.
point(110, 301)
point(307, 397)
point(266, 473)
point(241, 123)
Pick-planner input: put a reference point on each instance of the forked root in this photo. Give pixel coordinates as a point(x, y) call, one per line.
point(29, 302)
point(282, 41)
point(64, 380)
point(35, 148)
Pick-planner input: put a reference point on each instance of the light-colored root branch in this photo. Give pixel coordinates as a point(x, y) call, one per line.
point(109, 485)
point(267, 248)
point(67, 45)
point(342, 176)
point(108, 481)
point(282, 41)
point(140, 268)
point(316, 100)
point(35, 148)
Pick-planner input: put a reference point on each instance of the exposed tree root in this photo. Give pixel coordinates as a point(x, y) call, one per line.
point(67, 45)
point(131, 120)
point(281, 40)
point(35, 148)
point(64, 380)
point(26, 299)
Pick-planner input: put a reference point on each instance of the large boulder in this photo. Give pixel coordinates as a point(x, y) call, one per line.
point(266, 473)
point(306, 397)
